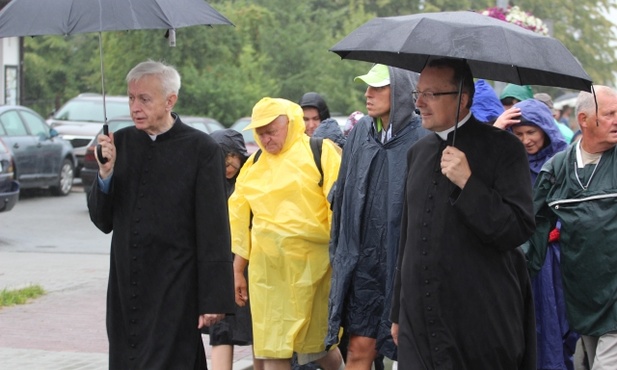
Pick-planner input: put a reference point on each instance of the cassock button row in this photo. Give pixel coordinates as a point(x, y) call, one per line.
point(424, 238)
point(133, 282)
point(133, 321)
point(135, 245)
point(429, 308)
point(425, 268)
point(135, 232)
point(430, 196)
point(431, 322)
point(133, 345)
point(433, 335)
point(134, 258)
point(426, 281)
point(434, 182)
point(428, 294)
point(436, 349)
point(428, 210)
point(424, 253)
point(424, 224)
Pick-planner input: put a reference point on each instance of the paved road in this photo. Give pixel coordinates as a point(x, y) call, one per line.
point(50, 241)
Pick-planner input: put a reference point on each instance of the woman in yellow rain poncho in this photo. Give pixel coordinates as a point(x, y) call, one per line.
point(280, 222)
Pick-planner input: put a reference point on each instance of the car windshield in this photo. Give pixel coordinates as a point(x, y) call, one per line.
point(91, 110)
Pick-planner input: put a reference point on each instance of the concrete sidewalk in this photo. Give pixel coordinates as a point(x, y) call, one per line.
point(64, 329)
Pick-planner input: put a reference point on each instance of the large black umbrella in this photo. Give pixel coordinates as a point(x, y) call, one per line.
point(494, 49)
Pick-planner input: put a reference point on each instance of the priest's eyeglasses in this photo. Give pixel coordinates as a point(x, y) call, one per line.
point(429, 95)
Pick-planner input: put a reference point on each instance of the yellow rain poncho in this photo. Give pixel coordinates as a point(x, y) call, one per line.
point(287, 244)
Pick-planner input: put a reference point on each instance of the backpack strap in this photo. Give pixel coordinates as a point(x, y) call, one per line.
point(257, 155)
point(316, 144)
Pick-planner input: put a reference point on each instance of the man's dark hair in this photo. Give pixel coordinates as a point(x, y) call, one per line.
point(461, 72)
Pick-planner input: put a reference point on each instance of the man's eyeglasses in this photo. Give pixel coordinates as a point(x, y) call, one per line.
point(429, 95)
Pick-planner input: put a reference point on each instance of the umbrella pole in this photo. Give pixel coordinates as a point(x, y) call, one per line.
point(102, 159)
point(458, 110)
point(103, 84)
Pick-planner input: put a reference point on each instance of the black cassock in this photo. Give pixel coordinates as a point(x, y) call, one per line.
point(462, 292)
point(170, 252)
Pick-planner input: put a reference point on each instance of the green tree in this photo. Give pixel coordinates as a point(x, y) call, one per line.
point(276, 48)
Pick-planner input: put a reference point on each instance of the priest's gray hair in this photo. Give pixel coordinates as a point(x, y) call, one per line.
point(168, 75)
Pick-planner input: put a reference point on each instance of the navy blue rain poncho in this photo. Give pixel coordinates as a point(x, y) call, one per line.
point(330, 129)
point(556, 342)
point(366, 223)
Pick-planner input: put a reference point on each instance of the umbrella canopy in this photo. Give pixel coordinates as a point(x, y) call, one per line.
point(66, 17)
point(494, 49)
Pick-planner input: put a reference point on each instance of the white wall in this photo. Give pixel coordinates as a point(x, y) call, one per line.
point(9, 61)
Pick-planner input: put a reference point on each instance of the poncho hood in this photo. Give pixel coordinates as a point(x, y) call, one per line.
point(330, 129)
point(486, 106)
point(402, 105)
point(536, 113)
point(313, 99)
point(517, 92)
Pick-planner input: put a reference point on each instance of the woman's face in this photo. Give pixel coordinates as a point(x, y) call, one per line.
point(532, 137)
point(232, 165)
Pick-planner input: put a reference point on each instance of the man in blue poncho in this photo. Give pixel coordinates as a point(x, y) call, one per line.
point(367, 215)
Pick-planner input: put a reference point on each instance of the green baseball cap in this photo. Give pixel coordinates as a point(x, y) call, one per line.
point(378, 76)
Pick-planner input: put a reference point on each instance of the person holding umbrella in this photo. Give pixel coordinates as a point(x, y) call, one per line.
point(462, 294)
point(162, 193)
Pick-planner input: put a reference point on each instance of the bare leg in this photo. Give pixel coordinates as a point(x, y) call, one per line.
point(332, 361)
point(258, 364)
point(361, 353)
point(222, 357)
point(282, 364)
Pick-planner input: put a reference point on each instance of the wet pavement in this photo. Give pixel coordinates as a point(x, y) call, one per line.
point(65, 328)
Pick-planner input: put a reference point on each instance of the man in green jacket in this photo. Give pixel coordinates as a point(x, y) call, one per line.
point(579, 187)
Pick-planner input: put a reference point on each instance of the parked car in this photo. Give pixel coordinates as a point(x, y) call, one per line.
point(9, 187)
point(90, 165)
point(41, 158)
point(82, 117)
point(205, 124)
point(249, 139)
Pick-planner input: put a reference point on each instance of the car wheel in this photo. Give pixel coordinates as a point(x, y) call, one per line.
point(65, 179)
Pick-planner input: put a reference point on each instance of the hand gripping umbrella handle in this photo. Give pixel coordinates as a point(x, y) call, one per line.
point(99, 149)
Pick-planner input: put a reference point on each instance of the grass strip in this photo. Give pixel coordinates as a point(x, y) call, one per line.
point(20, 296)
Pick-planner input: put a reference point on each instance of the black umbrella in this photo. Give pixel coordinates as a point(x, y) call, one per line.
point(494, 49)
point(66, 17)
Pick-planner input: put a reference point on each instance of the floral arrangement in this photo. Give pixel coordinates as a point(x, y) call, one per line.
point(514, 15)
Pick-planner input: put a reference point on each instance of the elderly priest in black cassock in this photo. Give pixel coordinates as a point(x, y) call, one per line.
point(162, 193)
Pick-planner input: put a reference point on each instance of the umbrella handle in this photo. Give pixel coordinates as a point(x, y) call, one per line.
point(99, 149)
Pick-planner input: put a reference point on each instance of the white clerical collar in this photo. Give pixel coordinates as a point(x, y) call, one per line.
point(444, 134)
